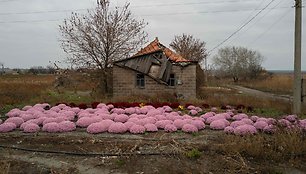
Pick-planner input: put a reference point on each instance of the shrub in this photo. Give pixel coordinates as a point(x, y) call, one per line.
point(193, 154)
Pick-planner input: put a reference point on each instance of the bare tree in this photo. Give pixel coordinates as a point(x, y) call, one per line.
point(238, 62)
point(189, 47)
point(102, 36)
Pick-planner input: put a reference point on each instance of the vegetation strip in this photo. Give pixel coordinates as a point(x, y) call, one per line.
point(86, 154)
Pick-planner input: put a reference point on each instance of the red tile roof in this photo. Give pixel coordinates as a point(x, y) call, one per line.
point(157, 46)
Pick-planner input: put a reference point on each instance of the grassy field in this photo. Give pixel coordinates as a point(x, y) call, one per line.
point(21, 90)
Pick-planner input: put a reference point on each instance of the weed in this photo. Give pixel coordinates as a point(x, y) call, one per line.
point(120, 162)
point(193, 154)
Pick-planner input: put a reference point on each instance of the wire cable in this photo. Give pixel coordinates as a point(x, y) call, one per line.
point(240, 28)
point(82, 9)
point(259, 19)
point(163, 14)
point(270, 27)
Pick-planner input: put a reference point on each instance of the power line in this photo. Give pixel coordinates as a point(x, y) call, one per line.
point(163, 14)
point(263, 16)
point(194, 3)
point(240, 28)
point(38, 12)
point(270, 27)
point(157, 5)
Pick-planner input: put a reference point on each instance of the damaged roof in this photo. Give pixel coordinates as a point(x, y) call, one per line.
point(155, 61)
point(156, 46)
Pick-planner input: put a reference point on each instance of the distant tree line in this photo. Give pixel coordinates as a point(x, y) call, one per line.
point(42, 70)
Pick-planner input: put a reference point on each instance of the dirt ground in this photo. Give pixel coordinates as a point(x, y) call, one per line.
point(79, 152)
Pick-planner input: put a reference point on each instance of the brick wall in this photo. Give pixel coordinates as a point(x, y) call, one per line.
point(124, 83)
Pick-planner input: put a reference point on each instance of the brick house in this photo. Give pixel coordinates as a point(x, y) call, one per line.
point(155, 69)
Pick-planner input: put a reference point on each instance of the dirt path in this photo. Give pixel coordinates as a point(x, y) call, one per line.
point(257, 93)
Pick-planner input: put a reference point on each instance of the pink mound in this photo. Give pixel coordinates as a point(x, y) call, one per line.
point(271, 121)
point(129, 124)
point(198, 109)
point(162, 123)
point(170, 128)
point(269, 129)
point(189, 128)
point(118, 111)
point(121, 118)
point(207, 115)
point(193, 112)
point(198, 123)
point(108, 116)
point(25, 108)
point(187, 117)
point(130, 111)
point(137, 129)
point(96, 128)
point(151, 127)
point(134, 120)
point(14, 113)
point(240, 116)
point(291, 118)
point(154, 112)
point(260, 125)
point(219, 124)
point(151, 120)
point(110, 106)
point(51, 127)
point(7, 127)
point(101, 105)
point(235, 124)
point(191, 107)
point(160, 117)
point(245, 130)
point(31, 128)
point(85, 121)
point(254, 118)
point(167, 108)
point(179, 123)
point(284, 123)
point(247, 121)
point(50, 120)
point(27, 116)
point(117, 128)
point(214, 109)
point(214, 118)
point(67, 126)
point(229, 130)
point(16, 120)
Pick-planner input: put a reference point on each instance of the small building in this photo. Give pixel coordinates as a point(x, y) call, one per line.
point(155, 69)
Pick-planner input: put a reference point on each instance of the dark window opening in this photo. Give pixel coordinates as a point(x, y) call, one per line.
point(140, 80)
point(171, 81)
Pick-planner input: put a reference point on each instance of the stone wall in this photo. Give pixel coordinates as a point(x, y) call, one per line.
point(124, 83)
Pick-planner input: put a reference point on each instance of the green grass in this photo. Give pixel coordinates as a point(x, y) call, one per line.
point(193, 154)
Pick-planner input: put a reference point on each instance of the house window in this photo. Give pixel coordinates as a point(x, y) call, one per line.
point(140, 80)
point(171, 81)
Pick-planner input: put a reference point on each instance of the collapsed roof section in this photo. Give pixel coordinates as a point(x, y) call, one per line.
point(155, 60)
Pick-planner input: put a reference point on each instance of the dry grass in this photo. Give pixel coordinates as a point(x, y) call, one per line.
point(15, 89)
point(281, 146)
point(277, 83)
point(4, 167)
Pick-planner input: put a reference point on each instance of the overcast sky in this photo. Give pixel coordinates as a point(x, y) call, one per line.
point(29, 28)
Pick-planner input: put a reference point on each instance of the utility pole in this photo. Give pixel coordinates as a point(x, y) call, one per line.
point(297, 88)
